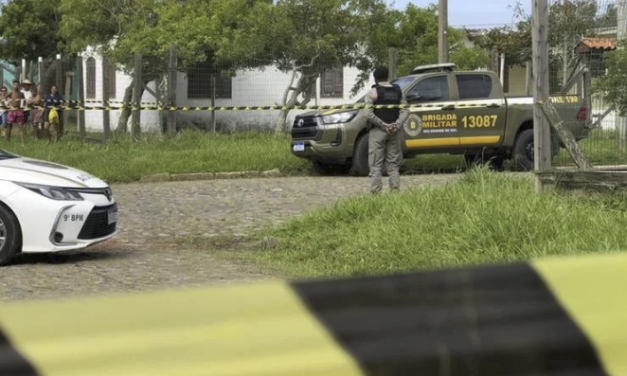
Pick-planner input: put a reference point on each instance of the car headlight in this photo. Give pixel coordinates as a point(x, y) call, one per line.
point(53, 193)
point(340, 117)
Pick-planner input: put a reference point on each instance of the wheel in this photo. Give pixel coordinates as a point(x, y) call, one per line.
point(10, 235)
point(360, 166)
point(522, 153)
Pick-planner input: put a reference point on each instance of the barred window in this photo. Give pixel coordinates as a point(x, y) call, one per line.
point(90, 70)
point(332, 83)
point(199, 83)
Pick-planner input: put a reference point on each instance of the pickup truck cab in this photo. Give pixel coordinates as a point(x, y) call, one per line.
point(452, 112)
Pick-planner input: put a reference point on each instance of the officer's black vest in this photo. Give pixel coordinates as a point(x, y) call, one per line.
point(387, 95)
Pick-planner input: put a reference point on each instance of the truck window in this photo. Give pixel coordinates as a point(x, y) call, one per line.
point(474, 86)
point(429, 90)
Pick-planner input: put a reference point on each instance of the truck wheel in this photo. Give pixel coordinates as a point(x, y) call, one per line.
point(10, 235)
point(523, 151)
point(360, 166)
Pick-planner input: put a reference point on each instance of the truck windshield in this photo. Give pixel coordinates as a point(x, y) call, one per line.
point(402, 82)
point(6, 155)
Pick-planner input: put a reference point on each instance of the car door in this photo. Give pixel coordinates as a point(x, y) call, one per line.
point(481, 109)
point(432, 125)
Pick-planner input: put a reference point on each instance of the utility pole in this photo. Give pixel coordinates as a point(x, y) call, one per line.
point(621, 33)
point(442, 32)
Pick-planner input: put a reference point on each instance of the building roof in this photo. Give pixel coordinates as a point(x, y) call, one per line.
point(588, 44)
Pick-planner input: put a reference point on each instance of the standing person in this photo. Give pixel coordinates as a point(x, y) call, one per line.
point(384, 138)
point(53, 99)
point(27, 90)
point(36, 114)
point(15, 112)
point(4, 102)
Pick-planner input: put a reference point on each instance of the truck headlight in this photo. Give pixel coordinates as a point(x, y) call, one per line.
point(53, 193)
point(340, 117)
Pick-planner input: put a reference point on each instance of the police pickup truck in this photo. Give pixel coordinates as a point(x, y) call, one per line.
point(453, 112)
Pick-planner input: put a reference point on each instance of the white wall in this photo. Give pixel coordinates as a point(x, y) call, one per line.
point(94, 118)
point(259, 87)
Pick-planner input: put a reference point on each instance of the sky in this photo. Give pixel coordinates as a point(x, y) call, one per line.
point(473, 14)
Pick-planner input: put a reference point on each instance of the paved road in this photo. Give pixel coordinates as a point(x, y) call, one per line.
point(152, 215)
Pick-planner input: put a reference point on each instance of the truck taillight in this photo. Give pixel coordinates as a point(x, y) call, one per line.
point(583, 113)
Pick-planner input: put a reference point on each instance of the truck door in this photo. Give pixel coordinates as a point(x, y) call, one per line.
point(481, 110)
point(432, 126)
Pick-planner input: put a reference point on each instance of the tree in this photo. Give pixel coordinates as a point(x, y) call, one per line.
point(414, 32)
point(116, 29)
point(29, 29)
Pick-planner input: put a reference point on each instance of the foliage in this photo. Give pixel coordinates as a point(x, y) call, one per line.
point(29, 29)
point(414, 32)
point(612, 86)
point(486, 218)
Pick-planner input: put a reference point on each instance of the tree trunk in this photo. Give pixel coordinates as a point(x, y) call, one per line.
point(126, 112)
point(290, 98)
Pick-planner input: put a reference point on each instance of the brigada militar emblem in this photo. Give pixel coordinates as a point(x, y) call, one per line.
point(413, 125)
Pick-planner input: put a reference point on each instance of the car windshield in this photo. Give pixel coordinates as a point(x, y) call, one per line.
point(402, 82)
point(6, 155)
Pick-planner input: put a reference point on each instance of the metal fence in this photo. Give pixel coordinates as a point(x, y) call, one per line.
point(586, 64)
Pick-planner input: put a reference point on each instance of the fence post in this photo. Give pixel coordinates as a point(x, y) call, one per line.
point(172, 73)
point(137, 93)
point(43, 88)
point(540, 54)
point(106, 118)
point(81, 94)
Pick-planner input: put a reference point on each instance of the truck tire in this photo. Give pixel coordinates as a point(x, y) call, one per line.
point(10, 235)
point(360, 166)
point(522, 154)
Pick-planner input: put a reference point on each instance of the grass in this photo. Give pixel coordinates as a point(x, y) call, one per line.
point(486, 218)
point(121, 160)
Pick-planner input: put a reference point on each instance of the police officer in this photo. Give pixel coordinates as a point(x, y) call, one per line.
point(384, 139)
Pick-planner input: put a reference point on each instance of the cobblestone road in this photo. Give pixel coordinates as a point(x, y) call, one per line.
point(157, 212)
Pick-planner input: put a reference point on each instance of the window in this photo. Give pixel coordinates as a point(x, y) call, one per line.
point(332, 83)
point(112, 80)
point(430, 90)
point(90, 81)
point(199, 83)
point(474, 86)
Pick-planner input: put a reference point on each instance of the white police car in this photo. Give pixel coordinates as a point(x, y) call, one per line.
point(47, 207)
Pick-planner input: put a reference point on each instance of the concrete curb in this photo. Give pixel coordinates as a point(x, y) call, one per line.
point(160, 178)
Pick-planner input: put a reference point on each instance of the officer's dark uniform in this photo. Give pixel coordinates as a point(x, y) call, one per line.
point(383, 145)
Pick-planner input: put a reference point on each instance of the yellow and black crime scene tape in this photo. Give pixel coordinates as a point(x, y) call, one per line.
point(546, 317)
point(106, 106)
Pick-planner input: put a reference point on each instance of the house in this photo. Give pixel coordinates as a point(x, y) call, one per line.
point(255, 87)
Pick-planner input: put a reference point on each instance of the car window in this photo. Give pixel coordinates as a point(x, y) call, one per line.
point(474, 86)
point(430, 90)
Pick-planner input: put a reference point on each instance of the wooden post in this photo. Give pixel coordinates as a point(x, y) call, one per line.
point(81, 95)
point(528, 78)
point(137, 92)
point(393, 62)
point(214, 121)
point(443, 31)
point(540, 55)
point(43, 88)
point(106, 114)
point(172, 73)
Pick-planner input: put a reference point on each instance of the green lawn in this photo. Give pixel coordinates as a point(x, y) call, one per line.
point(486, 218)
point(121, 160)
